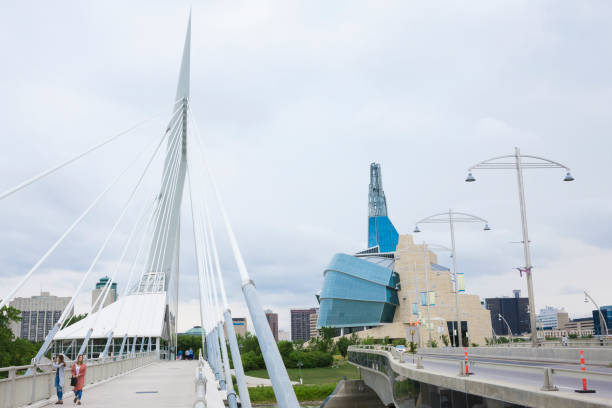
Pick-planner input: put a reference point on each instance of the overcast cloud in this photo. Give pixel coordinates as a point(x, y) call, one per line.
point(294, 101)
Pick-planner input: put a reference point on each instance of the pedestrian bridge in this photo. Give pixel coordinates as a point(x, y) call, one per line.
point(142, 380)
point(438, 380)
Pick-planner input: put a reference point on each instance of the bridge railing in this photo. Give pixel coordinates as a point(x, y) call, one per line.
point(578, 343)
point(20, 389)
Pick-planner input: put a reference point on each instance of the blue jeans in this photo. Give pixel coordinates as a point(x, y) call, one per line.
point(78, 394)
point(58, 388)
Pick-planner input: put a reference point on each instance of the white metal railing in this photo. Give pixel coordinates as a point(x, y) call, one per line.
point(19, 389)
point(575, 343)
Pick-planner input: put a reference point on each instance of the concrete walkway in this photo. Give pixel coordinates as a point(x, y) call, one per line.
point(161, 384)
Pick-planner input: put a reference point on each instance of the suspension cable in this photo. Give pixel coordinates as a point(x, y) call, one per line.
point(53, 169)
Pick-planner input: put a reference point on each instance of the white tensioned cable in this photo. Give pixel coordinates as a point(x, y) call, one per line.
point(39, 176)
point(166, 177)
point(203, 316)
point(165, 210)
point(155, 215)
point(106, 291)
point(195, 245)
point(209, 269)
point(244, 273)
point(148, 228)
point(27, 276)
point(112, 231)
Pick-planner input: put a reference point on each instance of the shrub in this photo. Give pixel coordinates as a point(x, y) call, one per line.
point(474, 344)
point(413, 347)
point(445, 340)
point(310, 359)
point(252, 361)
point(432, 343)
point(573, 336)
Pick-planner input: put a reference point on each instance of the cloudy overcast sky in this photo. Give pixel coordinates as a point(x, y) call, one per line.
point(294, 100)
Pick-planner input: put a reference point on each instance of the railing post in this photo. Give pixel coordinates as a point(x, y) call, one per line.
point(12, 375)
point(419, 362)
point(33, 379)
point(548, 381)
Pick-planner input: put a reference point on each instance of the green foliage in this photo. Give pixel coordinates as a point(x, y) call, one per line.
point(189, 341)
point(302, 392)
point(73, 319)
point(368, 340)
point(386, 340)
point(319, 375)
point(432, 343)
point(445, 340)
point(399, 342)
point(13, 351)
point(285, 348)
point(252, 361)
point(474, 344)
point(412, 347)
point(589, 336)
point(309, 359)
point(503, 340)
point(572, 336)
point(342, 346)
point(550, 338)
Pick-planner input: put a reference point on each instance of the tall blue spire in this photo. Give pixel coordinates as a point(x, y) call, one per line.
point(381, 231)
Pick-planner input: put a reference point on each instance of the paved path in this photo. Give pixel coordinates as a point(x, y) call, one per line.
point(161, 384)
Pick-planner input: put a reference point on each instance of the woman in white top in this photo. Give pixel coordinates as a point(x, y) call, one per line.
point(59, 365)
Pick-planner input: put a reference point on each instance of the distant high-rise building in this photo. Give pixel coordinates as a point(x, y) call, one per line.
point(514, 309)
point(300, 323)
point(313, 324)
point(284, 335)
point(273, 322)
point(606, 311)
point(99, 290)
point(551, 318)
point(240, 326)
point(38, 315)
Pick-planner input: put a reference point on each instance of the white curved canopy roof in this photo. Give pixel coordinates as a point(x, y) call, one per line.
point(138, 314)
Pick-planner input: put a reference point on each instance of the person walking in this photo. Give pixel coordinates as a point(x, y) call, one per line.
point(78, 372)
point(59, 365)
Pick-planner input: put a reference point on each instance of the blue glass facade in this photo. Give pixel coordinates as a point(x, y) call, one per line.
point(381, 232)
point(606, 311)
point(357, 292)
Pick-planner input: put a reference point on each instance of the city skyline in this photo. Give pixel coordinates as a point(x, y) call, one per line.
point(436, 101)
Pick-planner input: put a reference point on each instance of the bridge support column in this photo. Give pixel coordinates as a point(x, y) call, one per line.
point(229, 384)
point(243, 390)
point(283, 390)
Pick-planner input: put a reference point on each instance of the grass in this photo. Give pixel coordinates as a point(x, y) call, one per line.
point(317, 376)
point(303, 393)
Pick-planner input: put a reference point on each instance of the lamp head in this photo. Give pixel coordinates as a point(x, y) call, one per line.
point(470, 178)
point(487, 228)
point(568, 177)
point(416, 229)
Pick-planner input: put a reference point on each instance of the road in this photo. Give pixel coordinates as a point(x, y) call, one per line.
point(521, 372)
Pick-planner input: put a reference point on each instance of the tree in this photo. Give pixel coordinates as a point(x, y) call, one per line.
point(13, 351)
point(342, 346)
point(74, 319)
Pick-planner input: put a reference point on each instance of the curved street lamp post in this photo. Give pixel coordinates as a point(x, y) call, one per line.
point(500, 317)
point(603, 323)
point(451, 218)
point(522, 162)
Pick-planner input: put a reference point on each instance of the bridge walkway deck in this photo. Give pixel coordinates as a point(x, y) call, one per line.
point(160, 384)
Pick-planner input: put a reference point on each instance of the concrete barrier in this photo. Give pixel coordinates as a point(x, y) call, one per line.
point(381, 372)
point(596, 356)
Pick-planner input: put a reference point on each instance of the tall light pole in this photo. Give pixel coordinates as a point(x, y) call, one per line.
point(602, 321)
point(451, 218)
point(522, 162)
point(500, 317)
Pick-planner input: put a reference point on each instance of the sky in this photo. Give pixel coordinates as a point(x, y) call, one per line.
point(293, 101)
